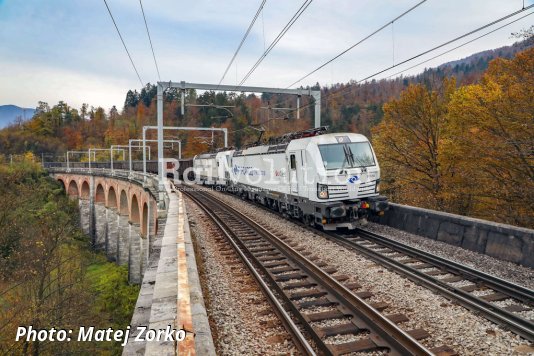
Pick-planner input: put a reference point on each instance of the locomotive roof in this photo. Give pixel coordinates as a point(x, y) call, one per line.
point(302, 143)
point(293, 144)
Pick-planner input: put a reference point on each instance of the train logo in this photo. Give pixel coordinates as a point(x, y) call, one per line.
point(248, 171)
point(353, 179)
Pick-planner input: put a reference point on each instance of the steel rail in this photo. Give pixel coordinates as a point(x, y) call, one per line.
point(298, 339)
point(396, 339)
point(514, 290)
point(514, 323)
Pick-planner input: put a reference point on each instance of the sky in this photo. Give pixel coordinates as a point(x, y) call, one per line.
point(69, 49)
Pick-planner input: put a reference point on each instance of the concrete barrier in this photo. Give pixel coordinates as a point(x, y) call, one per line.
point(505, 242)
point(171, 294)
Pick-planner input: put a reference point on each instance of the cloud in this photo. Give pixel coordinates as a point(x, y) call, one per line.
point(69, 50)
point(34, 83)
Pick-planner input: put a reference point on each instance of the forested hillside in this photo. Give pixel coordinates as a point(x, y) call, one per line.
point(466, 150)
point(49, 275)
point(456, 138)
point(349, 106)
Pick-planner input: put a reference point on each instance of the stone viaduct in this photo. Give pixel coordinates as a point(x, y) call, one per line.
point(119, 214)
point(139, 223)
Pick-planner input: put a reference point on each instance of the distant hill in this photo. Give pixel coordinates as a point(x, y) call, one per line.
point(8, 114)
point(471, 68)
point(360, 105)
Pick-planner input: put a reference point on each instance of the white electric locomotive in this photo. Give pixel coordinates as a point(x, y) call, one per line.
point(328, 180)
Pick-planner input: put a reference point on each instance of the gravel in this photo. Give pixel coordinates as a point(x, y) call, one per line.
point(414, 264)
point(529, 315)
point(506, 270)
point(402, 258)
point(341, 339)
point(482, 292)
point(314, 310)
point(505, 303)
point(298, 290)
point(461, 284)
point(330, 322)
point(445, 275)
point(447, 323)
point(241, 319)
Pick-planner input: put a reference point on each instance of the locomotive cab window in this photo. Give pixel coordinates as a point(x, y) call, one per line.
point(347, 155)
point(292, 161)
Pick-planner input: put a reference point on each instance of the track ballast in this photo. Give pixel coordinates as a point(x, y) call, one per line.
point(293, 283)
point(425, 269)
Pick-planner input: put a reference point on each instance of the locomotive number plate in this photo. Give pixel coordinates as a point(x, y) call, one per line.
point(342, 139)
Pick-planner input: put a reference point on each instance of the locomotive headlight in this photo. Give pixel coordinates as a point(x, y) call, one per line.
point(377, 190)
point(322, 191)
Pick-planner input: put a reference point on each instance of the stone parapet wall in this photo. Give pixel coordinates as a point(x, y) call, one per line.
point(505, 242)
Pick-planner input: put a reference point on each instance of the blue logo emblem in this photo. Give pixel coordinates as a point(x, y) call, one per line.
point(353, 179)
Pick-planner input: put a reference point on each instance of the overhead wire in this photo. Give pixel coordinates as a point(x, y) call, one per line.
point(295, 17)
point(124, 44)
point(242, 40)
point(150, 40)
point(263, 29)
point(358, 43)
point(463, 44)
point(333, 94)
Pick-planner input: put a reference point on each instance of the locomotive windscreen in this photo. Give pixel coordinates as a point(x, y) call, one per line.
point(347, 155)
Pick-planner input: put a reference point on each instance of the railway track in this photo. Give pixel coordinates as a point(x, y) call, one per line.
point(495, 299)
point(475, 290)
point(297, 286)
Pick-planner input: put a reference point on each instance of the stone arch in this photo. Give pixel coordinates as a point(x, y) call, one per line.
point(112, 198)
point(144, 222)
point(63, 185)
point(134, 211)
point(85, 191)
point(123, 203)
point(100, 195)
point(123, 244)
point(73, 189)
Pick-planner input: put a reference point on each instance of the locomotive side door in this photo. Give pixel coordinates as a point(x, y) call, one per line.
point(293, 173)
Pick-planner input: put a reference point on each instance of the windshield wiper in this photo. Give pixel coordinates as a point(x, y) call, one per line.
point(347, 157)
point(348, 153)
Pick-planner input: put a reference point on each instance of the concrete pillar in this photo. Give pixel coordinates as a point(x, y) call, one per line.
point(148, 225)
point(85, 216)
point(149, 237)
point(113, 234)
point(92, 217)
point(79, 201)
point(134, 260)
point(144, 254)
point(100, 226)
point(152, 228)
point(123, 242)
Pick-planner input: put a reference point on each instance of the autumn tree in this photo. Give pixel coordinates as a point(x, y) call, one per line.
point(409, 141)
point(492, 137)
point(49, 277)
